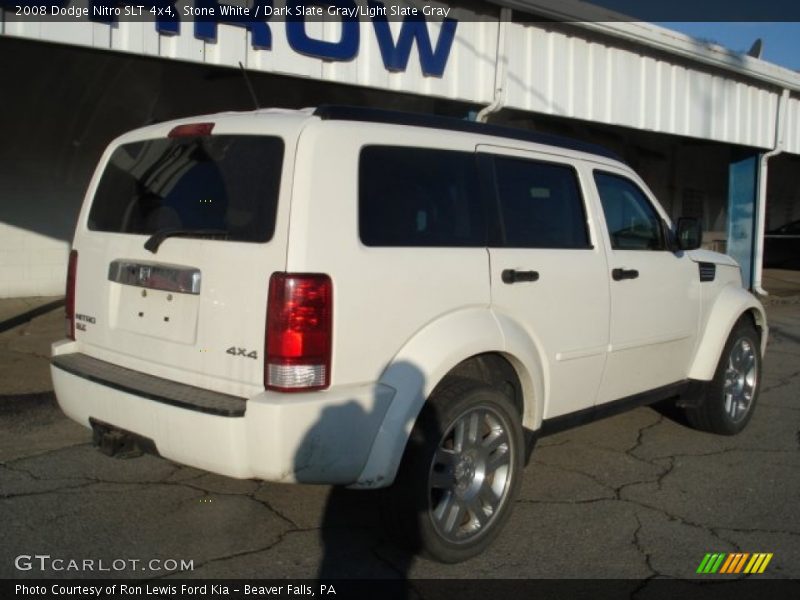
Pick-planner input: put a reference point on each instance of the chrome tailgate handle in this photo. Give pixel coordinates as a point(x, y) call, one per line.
point(155, 276)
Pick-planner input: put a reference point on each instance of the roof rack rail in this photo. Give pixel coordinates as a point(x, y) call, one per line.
point(378, 115)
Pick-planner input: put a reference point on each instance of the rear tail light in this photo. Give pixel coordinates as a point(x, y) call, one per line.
point(299, 332)
point(69, 301)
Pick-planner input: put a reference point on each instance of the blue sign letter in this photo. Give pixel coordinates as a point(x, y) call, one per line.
point(206, 27)
point(345, 49)
point(396, 55)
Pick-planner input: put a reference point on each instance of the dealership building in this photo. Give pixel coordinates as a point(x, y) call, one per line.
point(715, 134)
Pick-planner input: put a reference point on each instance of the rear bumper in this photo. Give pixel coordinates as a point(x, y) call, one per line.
point(317, 437)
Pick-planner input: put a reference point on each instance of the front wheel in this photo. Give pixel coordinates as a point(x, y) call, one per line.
point(731, 396)
point(461, 471)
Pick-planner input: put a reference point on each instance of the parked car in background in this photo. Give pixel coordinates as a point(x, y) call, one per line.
point(782, 247)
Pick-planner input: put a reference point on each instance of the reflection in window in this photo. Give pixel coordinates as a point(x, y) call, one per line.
point(221, 182)
point(540, 204)
point(633, 223)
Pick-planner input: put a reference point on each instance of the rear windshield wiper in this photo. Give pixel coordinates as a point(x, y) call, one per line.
point(154, 241)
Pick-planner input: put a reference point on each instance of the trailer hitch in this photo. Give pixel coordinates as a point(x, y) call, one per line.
point(113, 441)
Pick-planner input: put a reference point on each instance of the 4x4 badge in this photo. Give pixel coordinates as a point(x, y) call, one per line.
point(241, 352)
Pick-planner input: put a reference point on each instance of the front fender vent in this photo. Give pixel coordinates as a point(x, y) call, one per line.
point(708, 271)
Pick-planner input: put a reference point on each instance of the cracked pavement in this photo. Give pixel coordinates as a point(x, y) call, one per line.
point(636, 496)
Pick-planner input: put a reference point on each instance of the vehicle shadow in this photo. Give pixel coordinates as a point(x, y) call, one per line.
point(669, 409)
point(365, 534)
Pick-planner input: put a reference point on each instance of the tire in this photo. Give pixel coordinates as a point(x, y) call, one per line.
point(731, 396)
point(460, 472)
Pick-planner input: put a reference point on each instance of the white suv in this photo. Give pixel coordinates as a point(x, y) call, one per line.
point(360, 297)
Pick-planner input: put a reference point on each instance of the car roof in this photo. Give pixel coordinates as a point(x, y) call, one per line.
point(376, 115)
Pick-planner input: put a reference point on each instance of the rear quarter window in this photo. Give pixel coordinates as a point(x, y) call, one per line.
point(541, 205)
point(419, 197)
point(222, 182)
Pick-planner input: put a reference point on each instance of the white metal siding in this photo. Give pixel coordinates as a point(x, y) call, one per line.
point(792, 128)
point(548, 71)
point(560, 74)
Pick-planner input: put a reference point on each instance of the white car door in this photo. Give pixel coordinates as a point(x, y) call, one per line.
point(654, 291)
point(548, 270)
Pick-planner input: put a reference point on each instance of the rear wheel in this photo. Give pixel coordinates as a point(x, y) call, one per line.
point(460, 472)
point(731, 396)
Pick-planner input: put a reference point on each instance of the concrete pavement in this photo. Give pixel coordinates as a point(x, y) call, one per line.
point(782, 283)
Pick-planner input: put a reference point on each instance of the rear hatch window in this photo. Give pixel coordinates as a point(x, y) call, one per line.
point(226, 184)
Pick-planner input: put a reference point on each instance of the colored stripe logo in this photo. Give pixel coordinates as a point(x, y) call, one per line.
point(734, 563)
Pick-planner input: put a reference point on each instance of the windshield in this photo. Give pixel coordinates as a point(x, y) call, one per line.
point(223, 182)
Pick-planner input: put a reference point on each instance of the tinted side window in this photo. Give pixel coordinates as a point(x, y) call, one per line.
point(633, 223)
point(419, 197)
point(540, 205)
point(221, 182)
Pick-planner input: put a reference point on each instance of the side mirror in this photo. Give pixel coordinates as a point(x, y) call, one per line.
point(688, 233)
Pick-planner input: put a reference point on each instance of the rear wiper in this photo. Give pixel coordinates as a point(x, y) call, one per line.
point(154, 241)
